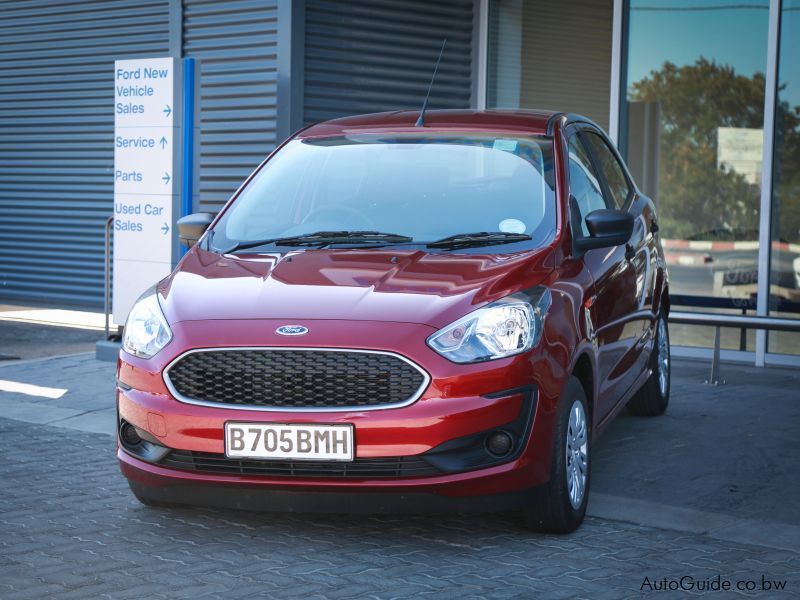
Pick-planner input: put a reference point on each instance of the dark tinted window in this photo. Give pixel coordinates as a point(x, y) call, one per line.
point(611, 169)
point(583, 182)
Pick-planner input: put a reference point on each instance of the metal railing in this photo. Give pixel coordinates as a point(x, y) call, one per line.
point(739, 322)
point(741, 305)
point(107, 275)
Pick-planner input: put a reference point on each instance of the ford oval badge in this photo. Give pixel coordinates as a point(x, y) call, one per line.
point(291, 330)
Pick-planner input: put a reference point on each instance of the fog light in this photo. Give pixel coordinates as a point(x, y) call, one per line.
point(129, 435)
point(499, 443)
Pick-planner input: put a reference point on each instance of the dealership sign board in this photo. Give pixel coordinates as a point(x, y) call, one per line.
point(145, 190)
point(741, 150)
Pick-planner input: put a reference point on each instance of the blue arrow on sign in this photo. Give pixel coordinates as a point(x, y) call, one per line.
point(165, 178)
point(165, 228)
point(167, 110)
point(163, 142)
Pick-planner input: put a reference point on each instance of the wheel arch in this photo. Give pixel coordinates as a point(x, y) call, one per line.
point(583, 370)
point(664, 301)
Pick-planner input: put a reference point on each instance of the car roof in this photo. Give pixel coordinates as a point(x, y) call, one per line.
point(518, 121)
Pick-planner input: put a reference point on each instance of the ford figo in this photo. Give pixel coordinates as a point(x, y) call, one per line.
point(393, 317)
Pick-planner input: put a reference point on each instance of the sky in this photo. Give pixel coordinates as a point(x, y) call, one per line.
point(732, 32)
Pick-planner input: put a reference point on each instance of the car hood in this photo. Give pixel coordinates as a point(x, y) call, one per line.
point(346, 284)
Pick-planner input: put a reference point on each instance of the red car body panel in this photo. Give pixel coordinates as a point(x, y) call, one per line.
point(358, 285)
point(393, 300)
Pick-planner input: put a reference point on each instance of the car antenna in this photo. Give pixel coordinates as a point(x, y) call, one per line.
point(421, 119)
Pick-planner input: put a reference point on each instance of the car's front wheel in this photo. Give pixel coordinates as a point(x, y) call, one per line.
point(559, 506)
point(652, 400)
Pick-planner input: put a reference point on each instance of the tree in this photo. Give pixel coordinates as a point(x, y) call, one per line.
point(786, 206)
point(695, 195)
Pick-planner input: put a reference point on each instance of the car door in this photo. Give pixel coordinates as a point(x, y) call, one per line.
point(613, 302)
point(639, 252)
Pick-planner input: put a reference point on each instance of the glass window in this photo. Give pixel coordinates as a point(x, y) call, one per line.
point(694, 118)
point(784, 298)
point(426, 186)
point(583, 182)
point(609, 165)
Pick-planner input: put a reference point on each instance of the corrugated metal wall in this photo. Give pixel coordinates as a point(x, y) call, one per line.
point(236, 44)
point(57, 119)
point(56, 138)
point(366, 56)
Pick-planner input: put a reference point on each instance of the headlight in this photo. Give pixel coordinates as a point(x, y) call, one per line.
point(504, 328)
point(146, 331)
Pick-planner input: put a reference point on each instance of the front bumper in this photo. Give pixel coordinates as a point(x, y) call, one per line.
point(494, 488)
point(162, 487)
point(444, 426)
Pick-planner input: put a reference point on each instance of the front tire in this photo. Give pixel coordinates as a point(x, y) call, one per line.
point(652, 400)
point(559, 506)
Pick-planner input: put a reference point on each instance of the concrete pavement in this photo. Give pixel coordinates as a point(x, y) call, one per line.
point(27, 333)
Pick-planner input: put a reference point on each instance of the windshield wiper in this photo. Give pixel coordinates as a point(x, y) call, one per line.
point(323, 238)
point(480, 238)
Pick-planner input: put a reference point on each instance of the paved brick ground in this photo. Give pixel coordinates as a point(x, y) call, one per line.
point(70, 529)
point(729, 449)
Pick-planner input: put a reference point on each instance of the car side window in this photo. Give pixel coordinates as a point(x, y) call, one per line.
point(583, 181)
point(615, 177)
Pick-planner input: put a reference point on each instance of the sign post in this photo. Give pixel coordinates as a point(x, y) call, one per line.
point(146, 157)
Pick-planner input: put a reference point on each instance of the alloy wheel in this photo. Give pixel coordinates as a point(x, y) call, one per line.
point(663, 357)
point(577, 454)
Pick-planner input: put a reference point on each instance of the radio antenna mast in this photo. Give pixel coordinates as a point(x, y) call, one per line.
point(421, 119)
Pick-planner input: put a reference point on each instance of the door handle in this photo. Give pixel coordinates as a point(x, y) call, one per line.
point(629, 252)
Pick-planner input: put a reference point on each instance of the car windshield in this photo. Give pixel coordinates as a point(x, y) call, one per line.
point(424, 187)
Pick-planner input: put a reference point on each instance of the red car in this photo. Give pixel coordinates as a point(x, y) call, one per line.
point(400, 316)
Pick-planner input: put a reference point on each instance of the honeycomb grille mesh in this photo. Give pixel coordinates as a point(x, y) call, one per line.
point(295, 378)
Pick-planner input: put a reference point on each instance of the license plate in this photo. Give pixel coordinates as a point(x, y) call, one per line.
point(289, 442)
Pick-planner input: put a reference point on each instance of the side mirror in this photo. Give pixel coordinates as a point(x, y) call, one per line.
point(192, 227)
point(607, 228)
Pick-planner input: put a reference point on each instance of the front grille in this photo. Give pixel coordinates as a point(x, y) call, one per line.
point(286, 378)
point(207, 462)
